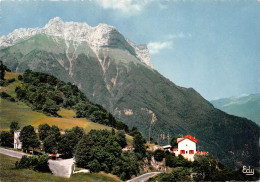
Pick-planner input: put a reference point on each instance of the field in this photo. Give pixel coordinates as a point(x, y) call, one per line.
point(9, 173)
point(19, 111)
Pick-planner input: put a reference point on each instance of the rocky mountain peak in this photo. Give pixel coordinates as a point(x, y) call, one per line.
point(105, 27)
point(97, 37)
point(56, 20)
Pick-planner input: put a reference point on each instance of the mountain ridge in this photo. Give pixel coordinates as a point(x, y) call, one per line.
point(100, 36)
point(245, 106)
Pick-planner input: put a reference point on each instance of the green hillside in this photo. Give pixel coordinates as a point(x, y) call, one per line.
point(247, 106)
point(23, 113)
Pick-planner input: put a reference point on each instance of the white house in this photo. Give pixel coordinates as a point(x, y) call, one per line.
point(167, 147)
point(17, 142)
point(186, 147)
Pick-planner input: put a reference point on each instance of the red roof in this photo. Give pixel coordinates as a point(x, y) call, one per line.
point(190, 138)
point(202, 152)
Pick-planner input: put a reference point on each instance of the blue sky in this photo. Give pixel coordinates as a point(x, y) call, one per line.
point(210, 45)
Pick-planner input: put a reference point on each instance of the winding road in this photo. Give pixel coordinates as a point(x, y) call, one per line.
point(144, 177)
point(62, 168)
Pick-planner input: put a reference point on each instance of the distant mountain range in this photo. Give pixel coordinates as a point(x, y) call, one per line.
point(117, 74)
point(247, 106)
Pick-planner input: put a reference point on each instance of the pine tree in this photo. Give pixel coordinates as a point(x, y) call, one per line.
point(139, 145)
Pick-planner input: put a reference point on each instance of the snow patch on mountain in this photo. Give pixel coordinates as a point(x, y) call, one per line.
point(96, 37)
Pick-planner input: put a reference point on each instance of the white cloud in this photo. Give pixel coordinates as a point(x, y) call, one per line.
point(244, 95)
point(129, 7)
point(156, 47)
point(179, 35)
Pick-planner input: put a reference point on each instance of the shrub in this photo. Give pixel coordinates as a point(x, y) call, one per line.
point(5, 83)
point(6, 139)
point(20, 77)
point(4, 95)
point(39, 163)
point(42, 164)
point(94, 166)
point(11, 80)
point(159, 155)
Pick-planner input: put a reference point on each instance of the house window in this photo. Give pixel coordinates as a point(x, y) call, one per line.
point(191, 152)
point(182, 151)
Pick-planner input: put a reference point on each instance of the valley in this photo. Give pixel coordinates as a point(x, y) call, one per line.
point(93, 146)
point(110, 71)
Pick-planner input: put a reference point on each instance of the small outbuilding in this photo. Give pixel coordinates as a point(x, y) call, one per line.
point(167, 147)
point(17, 142)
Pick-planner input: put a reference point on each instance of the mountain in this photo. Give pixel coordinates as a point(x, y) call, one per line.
point(115, 73)
point(247, 106)
point(72, 34)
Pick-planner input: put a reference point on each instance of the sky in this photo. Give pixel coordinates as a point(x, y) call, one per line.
point(212, 46)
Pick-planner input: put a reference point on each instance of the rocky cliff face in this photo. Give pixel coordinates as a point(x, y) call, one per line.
point(114, 72)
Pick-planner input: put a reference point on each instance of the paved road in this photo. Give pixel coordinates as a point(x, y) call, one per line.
point(61, 168)
point(12, 153)
point(144, 177)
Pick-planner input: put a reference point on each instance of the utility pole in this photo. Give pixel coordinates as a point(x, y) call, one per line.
point(150, 132)
point(168, 136)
